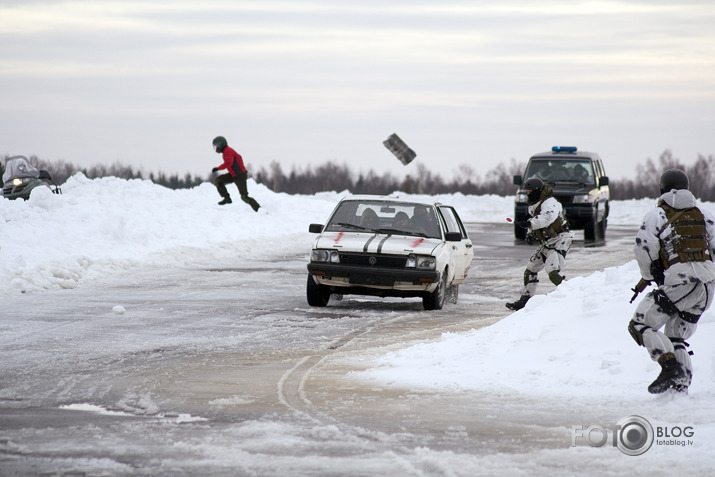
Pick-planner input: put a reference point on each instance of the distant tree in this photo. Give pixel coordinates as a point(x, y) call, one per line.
point(338, 177)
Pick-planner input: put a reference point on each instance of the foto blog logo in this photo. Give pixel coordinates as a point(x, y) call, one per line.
point(632, 435)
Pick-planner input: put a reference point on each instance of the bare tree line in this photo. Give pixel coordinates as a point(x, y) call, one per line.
point(334, 177)
point(466, 179)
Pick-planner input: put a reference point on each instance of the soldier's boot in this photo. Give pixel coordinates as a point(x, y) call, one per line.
point(671, 375)
point(226, 200)
point(518, 304)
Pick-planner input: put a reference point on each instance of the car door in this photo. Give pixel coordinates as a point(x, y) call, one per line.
point(462, 250)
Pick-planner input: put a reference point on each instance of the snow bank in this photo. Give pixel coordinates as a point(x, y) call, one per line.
point(571, 344)
point(104, 226)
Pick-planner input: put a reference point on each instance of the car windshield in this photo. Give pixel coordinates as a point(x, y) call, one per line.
point(394, 218)
point(561, 171)
point(19, 167)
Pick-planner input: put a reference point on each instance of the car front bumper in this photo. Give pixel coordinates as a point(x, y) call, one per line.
point(338, 276)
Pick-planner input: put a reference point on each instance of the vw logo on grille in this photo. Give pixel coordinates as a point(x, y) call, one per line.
point(372, 260)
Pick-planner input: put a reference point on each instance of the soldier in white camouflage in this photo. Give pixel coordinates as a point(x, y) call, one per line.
point(548, 226)
point(674, 249)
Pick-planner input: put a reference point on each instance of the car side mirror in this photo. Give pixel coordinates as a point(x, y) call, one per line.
point(517, 180)
point(602, 181)
point(44, 175)
point(315, 228)
point(453, 237)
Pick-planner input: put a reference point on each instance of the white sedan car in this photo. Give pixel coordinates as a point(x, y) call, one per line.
point(385, 246)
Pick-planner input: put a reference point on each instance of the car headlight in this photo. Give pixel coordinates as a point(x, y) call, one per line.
point(421, 261)
point(521, 197)
point(319, 255)
point(581, 199)
point(17, 182)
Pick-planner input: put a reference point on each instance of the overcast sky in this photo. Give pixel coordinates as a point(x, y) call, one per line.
point(150, 83)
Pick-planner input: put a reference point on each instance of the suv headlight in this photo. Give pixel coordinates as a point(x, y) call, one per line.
point(581, 199)
point(319, 255)
point(421, 261)
point(521, 197)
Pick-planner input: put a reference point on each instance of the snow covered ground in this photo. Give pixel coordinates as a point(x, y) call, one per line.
point(570, 346)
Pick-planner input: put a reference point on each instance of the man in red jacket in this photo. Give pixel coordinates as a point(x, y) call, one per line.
point(233, 163)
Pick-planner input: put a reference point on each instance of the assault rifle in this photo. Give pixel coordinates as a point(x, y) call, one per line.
point(640, 286)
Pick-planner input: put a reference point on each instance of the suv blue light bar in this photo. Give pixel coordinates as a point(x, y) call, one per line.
point(564, 149)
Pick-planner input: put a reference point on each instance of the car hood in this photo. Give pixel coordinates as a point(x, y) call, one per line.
point(376, 243)
point(569, 189)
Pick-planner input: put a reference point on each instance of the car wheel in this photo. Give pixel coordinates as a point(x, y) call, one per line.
point(519, 232)
point(318, 295)
point(453, 294)
point(435, 300)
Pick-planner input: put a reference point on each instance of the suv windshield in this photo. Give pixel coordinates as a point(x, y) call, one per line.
point(578, 171)
point(396, 218)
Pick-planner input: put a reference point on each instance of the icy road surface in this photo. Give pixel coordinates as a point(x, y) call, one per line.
point(225, 370)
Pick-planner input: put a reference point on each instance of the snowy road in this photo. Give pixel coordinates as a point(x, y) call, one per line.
point(202, 372)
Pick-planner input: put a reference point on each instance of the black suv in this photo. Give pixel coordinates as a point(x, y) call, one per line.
point(579, 182)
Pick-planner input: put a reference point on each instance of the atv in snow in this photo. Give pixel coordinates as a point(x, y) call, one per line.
point(21, 177)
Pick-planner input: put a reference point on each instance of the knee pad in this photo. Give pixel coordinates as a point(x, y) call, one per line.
point(555, 277)
point(637, 334)
point(530, 277)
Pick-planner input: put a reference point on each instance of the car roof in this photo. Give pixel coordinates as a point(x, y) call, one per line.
point(566, 155)
point(389, 198)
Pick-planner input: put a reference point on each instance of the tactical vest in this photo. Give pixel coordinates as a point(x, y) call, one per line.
point(687, 241)
point(552, 230)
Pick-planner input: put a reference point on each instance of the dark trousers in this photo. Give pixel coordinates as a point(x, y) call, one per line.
point(240, 181)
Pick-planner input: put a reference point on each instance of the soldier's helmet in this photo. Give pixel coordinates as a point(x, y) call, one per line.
point(673, 179)
point(533, 186)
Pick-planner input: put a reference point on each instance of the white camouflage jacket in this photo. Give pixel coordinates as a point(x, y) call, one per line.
point(647, 245)
point(551, 209)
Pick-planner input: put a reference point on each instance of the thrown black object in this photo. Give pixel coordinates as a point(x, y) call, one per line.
point(398, 147)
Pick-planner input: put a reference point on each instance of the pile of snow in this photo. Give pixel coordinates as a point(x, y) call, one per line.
point(571, 343)
point(105, 226)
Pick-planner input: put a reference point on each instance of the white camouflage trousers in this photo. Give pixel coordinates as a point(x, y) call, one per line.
point(550, 258)
point(650, 316)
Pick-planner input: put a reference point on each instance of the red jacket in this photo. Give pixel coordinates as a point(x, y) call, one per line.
point(232, 161)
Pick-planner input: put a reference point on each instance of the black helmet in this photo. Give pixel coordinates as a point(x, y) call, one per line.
point(219, 143)
point(673, 179)
point(535, 185)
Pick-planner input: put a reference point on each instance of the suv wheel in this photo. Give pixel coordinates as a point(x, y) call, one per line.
point(590, 229)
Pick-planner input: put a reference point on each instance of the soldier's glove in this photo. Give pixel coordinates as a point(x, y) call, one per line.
point(656, 269)
point(640, 286)
point(215, 169)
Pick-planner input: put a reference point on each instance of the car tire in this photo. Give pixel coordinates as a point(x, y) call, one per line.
point(318, 295)
point(435, 300)
point(519, 232)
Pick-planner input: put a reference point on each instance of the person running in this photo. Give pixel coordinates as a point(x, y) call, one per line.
point(233, 163)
